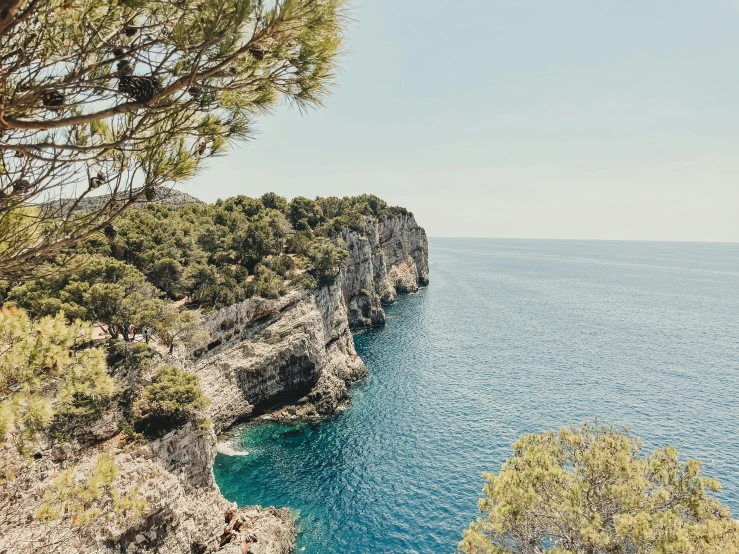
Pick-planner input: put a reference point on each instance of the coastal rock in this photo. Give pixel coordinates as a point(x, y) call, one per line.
point(186, 511)
point(291, 358)
point(387, 257)
point(298, 350)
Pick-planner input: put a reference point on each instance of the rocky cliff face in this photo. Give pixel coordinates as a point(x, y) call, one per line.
point(186, 512)
point(290, 358)
point(298, 351)
point(387, 257)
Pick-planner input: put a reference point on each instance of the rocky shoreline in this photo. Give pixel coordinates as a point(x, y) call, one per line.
point(286, 359)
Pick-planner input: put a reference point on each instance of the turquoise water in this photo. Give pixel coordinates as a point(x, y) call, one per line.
point(511, 336)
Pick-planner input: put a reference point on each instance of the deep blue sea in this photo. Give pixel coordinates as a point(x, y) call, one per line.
point(511, 336)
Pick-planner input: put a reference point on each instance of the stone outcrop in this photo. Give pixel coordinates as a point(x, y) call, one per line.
point(186, 512)
point(294, 356)
point(386, 257)
point(295, 350)
point(289, 358)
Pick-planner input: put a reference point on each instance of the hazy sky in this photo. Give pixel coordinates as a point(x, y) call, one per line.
point(608, 119)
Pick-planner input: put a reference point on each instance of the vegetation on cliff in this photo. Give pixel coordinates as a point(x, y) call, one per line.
point(47, 371)
point(589, 490)
point(136, 275)
point(126, 96)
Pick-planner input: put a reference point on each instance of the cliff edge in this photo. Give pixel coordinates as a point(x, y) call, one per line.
point(288, 358)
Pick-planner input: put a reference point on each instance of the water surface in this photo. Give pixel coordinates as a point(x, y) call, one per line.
point(511, 336)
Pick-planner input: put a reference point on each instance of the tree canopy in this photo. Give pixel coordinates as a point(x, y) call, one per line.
point(588, 490)
point(45, 369)
point(123, 96)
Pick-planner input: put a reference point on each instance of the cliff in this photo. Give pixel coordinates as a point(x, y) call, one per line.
point(287, 358)
point(295, 357)
point(387, 257)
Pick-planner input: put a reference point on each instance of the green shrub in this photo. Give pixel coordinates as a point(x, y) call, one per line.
point(272, 201)
point(304, 213)
point(299, 242)
point(307, 281)
point(129, 356)
point(173, 398)
point(326, 259)
point(266, 283)
point(280, 264)
point(46, 369)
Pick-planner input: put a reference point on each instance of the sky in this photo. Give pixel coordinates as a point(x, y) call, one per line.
point(607, 119)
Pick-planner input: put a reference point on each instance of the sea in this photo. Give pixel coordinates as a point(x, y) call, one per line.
point(510, 337)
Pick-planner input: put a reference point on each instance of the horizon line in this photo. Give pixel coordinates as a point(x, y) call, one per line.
point(671, 241)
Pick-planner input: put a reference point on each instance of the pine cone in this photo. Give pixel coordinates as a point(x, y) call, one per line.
point(141, 89)
point(110, 231)
point(151, 194)
point(124, 67)
point(257, 53)
point(52, 99)
point(21, 185)
point(98, 180)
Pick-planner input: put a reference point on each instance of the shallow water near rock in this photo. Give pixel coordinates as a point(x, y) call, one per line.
point(511, 336)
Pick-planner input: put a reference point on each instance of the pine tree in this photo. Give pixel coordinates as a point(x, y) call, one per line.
point(140, 92)
point(588, 491)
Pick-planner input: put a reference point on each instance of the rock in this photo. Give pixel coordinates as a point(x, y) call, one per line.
point(297, 351)
point(389, 256)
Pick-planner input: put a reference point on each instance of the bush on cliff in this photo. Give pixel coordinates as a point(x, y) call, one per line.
point(588, 490)
point(326, 260)
point(206, 254)
point(173, 398)
point(102, 290)
point(266, 283)
point(46, 369)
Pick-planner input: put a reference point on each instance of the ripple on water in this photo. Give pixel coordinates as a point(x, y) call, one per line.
point(512, 336)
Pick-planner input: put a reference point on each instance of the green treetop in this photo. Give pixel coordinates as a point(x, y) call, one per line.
point(589, 491)
point(123, 96)
point(45, 369)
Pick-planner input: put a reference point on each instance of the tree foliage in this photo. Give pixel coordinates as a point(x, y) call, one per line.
point(210, 256)
point(91, 498)
point(102, 290)
point(325, 259)
point(179, 326)
point(173, 397)
point(45, 369)
point(589, 491)
point(124, 96)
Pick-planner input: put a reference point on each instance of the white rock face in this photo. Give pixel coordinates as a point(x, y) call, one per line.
point(185, 511)
point(293, 357)
point(388, 257)
point(298, 350)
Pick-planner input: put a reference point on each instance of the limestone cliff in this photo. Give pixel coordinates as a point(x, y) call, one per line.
point(298, 350)
point(387, 257)
point(292, 357)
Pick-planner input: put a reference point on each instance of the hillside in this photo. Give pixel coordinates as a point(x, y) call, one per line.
point(255, 300)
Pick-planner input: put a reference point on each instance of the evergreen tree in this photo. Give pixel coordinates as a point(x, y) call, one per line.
point(588, 491)
point(45, 369)
point(125, 96)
